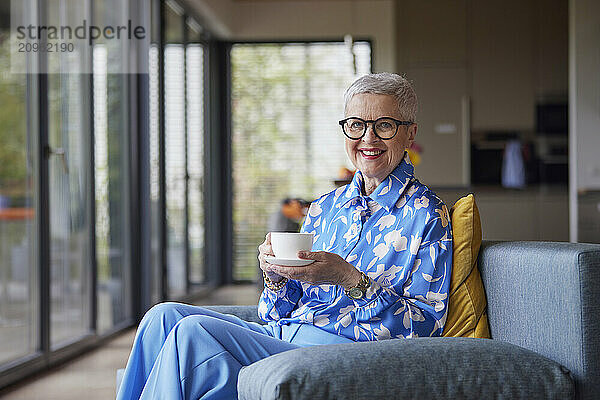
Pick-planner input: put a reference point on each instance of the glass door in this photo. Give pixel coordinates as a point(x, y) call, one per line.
point(19, 294)
point(111, 170)
point(183, 58)
point(69, 172)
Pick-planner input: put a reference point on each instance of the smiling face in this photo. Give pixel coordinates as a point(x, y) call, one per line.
point(374, 157)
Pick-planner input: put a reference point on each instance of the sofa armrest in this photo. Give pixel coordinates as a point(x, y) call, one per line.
point(543, 296)
point(422, 368)
point(247, 313)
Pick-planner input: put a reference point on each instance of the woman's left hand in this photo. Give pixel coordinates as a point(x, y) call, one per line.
point(328, 268)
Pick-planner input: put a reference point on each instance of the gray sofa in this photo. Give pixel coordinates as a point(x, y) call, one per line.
point(543, 309)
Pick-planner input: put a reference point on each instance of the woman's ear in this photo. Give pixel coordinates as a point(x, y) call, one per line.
point(412, 132)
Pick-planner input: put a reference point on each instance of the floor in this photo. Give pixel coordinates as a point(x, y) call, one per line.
point(92, 376)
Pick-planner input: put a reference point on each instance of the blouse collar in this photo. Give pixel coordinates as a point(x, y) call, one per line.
point(389, 191)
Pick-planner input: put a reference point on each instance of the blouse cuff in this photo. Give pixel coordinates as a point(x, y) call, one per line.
point(371, 295)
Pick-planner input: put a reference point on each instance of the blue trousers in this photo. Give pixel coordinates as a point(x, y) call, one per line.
point(188, 352)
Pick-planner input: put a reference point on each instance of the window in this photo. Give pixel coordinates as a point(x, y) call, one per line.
point(69, 173)
point(84, 157)
point(156, 216)
point(19, 310)
point(175, 149)
point(184, 55)
point(48, 204)
point(111, 159)
point(286, 101)
point(195, 146)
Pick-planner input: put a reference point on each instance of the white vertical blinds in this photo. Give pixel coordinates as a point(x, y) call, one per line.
point(195, 165)
point(175, 165)
point(154, 132)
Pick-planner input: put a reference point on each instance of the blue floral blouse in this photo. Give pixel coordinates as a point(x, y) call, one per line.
point(400, 237)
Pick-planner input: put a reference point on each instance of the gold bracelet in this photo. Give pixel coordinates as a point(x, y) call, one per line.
point(274, 286)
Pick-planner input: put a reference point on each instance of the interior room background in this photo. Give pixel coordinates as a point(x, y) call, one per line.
point(118, 191)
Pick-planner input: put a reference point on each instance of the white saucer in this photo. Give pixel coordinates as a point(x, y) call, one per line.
point(293, 262)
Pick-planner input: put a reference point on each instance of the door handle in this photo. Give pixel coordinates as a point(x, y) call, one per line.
point(59, 152)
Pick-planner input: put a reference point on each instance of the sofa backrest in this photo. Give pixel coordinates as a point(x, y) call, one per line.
point(545, 296)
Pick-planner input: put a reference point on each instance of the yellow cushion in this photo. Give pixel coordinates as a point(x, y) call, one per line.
point(467, 315)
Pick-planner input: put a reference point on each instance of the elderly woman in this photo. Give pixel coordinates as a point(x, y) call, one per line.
point(381, 270)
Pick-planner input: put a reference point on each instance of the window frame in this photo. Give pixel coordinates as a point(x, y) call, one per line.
point(138, 213)
point(211, 134)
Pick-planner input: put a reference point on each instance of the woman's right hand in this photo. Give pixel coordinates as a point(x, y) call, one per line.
point(265, 249)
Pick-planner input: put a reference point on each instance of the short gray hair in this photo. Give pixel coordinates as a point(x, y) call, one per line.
point(389, 84)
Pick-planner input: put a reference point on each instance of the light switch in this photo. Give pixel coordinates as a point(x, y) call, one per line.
point(445, 129)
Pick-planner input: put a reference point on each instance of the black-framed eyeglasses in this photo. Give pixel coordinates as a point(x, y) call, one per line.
point(384, 128)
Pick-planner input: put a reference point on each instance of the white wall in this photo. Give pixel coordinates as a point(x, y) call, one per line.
point(584, 112)
point(432, 52)
point(289, 20)
point(585, 92)
point(502, 39)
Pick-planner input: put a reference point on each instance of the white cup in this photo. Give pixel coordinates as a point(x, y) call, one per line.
point(286, 245)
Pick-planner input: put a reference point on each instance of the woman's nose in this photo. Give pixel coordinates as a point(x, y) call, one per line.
point(370, 135)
